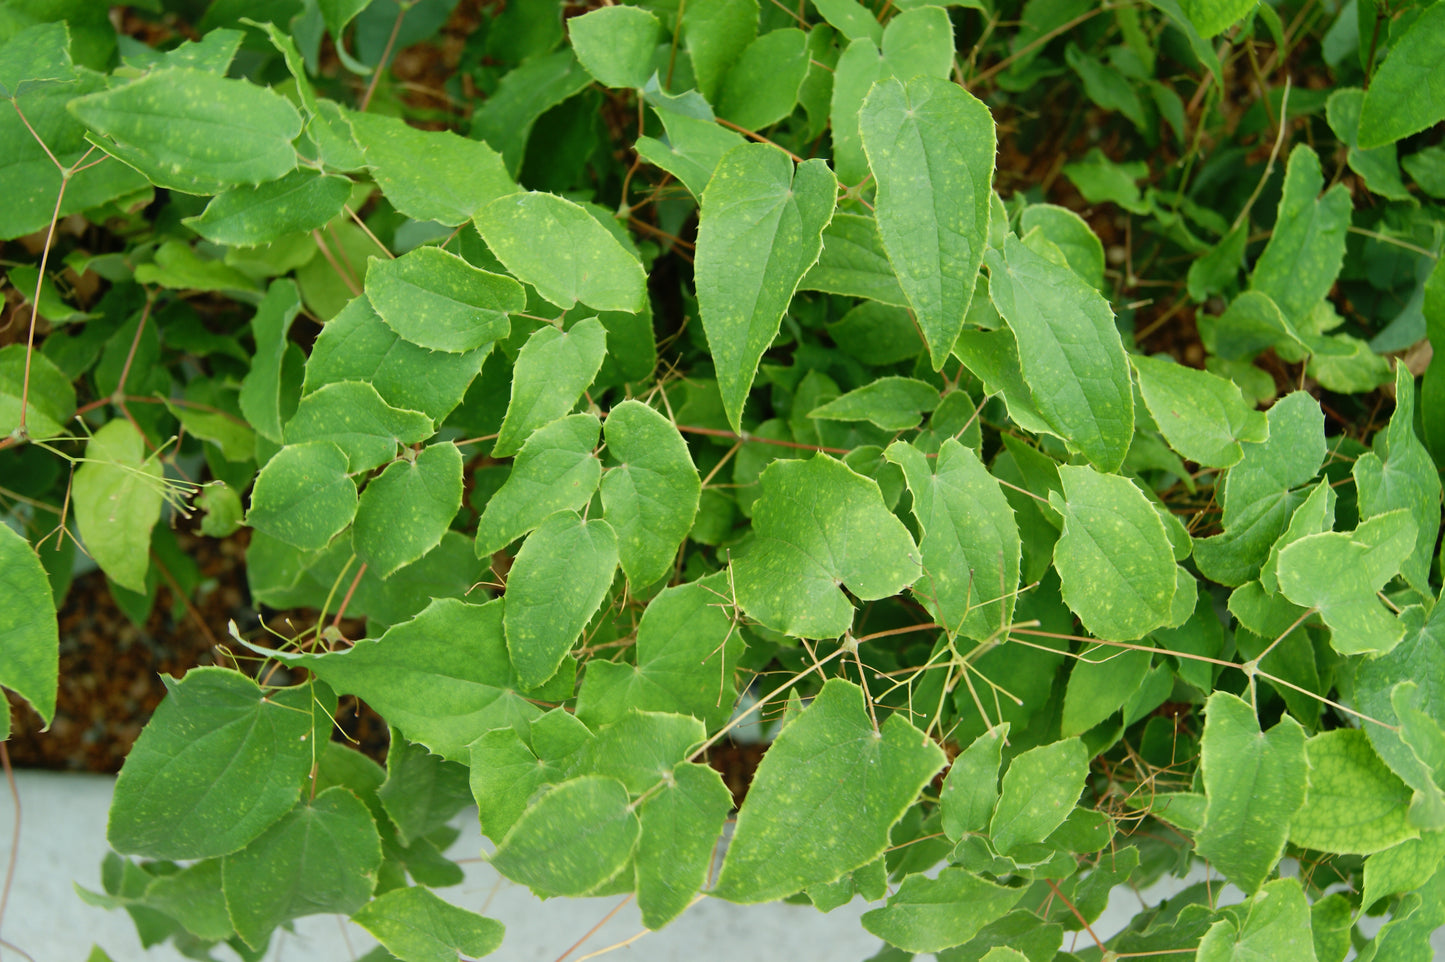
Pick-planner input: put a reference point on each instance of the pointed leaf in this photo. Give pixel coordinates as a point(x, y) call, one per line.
point(351, 415)
point(403, 513)
point(1072, 356)
point(761, 87)
point(1201, 415)
point(1355, 804)
point(1405, 95)
point(303, 495)
point(1302, 259)
point(562, 251)
point(1039, 790)
point(1277, 926)
point(680, 827)
point(430, 174)
point(262, 390)
point(35, 57)
point(892, 403)
point(650, 497)
point(616, 44)
point(192, 131)
point(556, 470)
point(971, 789)
point(695, 142)
point(51, 402)
point(524, 94)
point(216, 765)
point(117, 501)
point(422, 791)
point(817, 526)
point(853, 262)
point(715, 33)
point(29, 630)
point(556, 585)
point(417, 926)
point(571, 840)
point(1211, 17)
point(434, 299)
point(759, 232)
point(303, 200)
point(552, 370)
point(932, 914)
point(829, 755)
point(930, 145)
point(1255, 783)
point(1420, 657)
point(1101, 681)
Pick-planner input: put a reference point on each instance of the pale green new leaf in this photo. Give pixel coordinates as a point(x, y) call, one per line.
point(556, 585)
point(192, 131)
point(351, 415)
point(430, 174)
point(217, 764)
point(930, 145)
point(1072, 356)
point(759, 231)
point(932, 914)
point(1400, 474)
point(1212, 17)
point(1039, 790)
point(556, 470)
point(1203, 416)
point(29, 630)
point(892, 403)
point(117, 498)
point(322, 857)
point(562, 251)
point(434, 299)
point(680, 826)
point(1114, 558)
point(405, 511)
point(571, 840)
point(650, 496)
point(818, 526)
point(829, 757)
point(303, 495)
point(695, 142)
point(970, 545)
point(1303, 257)
point(1405, 94)
point(51, 401)
point(1355, 804)
point(1255, 783)
point(616, 44)
point(1402, 868)
point(303, 200)
point(552, 370)
point(415, 925)
point(1277, 926)
point(853, 262)
point(1339, 573)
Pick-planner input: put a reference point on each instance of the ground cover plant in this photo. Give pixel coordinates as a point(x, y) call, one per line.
point(1029, 407)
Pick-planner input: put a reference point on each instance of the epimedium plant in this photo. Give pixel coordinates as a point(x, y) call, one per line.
point(710, 353)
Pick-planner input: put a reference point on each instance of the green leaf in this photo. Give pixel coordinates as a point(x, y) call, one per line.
point(687, 645)
point(1072, 356)
point(761, 87)
point(892, 403)
point(971, 789)
point(562, 251)
point(179, 267)
point(193, 897)
point(1302, 259)
point(680, 826)
point(51, 402)
point(303, 495)
point(192, 131)
point(321, 857)
point(552, 370)
point(715, 33)
point(818, 526)
point(1339, 573)
point(760, 231)
point(505, 118)
point(919, 41)
point(1039, 790)
point(650, 496)
point(1102, 680)
point(303, 200)
point(1355, 804)
point(930, 145)
point(1277, 926)
point(443, 677)
point(1211, 17)
point(616, 44)
point(556, 584)
point(556, 470)
point(1400, 474)
point(1403, 867)
point(422, 791)
point(117, 498)
point(1072, 235)
point(263, 392)
point(417, 926)
point(851, 19)
point(1379, 168)
point(1404, 96)
point(1114, 558)
point(970, 547)
point(859, 67)
point(29, 630)
point(1202, 416)
point(351, 415)
point(356, 345)
point(571, 840)
point(854, 263)
point(830, 758)
point(1254, 783)
point(217, 764)
point(37, 56)
point(403, 513)
point(931, 914)
point(434, 299)
point(695, 143)
point(430, 174)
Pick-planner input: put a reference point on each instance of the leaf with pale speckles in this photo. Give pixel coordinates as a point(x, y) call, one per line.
point(353, 416)
point(430, 174)
point(1302, 259)
point(556, 470)
point(552, 370)
point(828, 758)
point(1038, 792)
point(192, 131)
point(404, 512)
point(681, 822)
point(571, 840)
point(434, 299)
point(1203, 416)
point(244, 216)
point(1355, 805)
point(759, 231)
point(1276, 925)
point(416, 925)
point(117, 501)
point(932, 914)
point(303, 495)
point(930, 145)
point(1114, 559)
